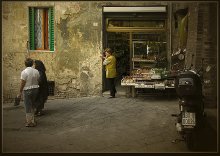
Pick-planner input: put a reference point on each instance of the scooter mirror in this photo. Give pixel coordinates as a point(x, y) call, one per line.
point(208, 68)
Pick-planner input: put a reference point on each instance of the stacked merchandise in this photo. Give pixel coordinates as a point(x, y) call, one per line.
point(156, 78)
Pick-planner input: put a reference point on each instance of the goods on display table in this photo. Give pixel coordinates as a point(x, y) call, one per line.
point(157, 78)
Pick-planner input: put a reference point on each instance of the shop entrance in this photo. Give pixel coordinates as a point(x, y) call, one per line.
point(125, 32)
point(119, 42)
point(127, 46)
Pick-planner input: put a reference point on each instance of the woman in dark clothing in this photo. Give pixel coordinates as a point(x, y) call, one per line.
point(43, 89)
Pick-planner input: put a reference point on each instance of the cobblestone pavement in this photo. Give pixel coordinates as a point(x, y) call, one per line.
point(100, 125)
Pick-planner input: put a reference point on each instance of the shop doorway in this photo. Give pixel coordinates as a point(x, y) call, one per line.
point(128, 45)
point(122, 29)
point(119, 42)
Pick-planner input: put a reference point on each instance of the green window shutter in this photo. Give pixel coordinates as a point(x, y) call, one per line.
point(31, 28)
point(51, 28)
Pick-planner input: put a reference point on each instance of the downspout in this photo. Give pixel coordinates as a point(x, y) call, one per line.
point(27, 43)
point(170, 23)
point(28, 53)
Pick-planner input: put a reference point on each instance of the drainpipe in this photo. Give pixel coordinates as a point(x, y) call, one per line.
point(170, 3)
point(27, 46)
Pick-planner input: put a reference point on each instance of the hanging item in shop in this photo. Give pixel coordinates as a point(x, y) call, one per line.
point(183, 32)
point(178, 55)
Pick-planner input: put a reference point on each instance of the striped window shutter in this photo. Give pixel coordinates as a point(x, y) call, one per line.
point(51, 29)
point(31, 28)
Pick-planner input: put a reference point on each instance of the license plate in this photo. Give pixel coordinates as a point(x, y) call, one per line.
point(188, 119)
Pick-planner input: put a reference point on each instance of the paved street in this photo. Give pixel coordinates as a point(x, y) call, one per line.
point(99, 124)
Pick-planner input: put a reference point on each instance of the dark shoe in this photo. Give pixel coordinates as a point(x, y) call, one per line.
point(30, 124)
point(111, 97)
point(36, 113)
point(40, 113)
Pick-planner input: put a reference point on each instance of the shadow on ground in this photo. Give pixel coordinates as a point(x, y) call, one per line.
point(206, 139)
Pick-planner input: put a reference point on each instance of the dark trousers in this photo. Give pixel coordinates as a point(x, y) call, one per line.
point(111, 82)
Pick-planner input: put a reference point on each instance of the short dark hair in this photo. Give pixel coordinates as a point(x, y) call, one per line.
point(108, 50)
point(29, 62)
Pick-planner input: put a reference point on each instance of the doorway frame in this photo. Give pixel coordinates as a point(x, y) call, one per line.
point(132, 30)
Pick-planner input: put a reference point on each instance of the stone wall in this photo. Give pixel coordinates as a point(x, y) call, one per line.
point(75, 65)
point(202, 43)
point(207, 49)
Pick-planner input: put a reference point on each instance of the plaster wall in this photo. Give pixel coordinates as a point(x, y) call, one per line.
point(75, 65)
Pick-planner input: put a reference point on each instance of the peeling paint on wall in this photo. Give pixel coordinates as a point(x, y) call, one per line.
point(75, 65)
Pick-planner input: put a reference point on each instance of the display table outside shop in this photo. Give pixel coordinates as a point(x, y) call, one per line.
point(161, 84)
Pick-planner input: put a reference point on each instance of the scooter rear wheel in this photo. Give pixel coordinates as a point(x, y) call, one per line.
point(190, 141)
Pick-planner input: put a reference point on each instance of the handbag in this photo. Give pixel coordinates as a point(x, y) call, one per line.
point(17, 101)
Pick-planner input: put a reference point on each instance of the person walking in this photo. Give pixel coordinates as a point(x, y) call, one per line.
point(29, 86)
point(110, 67)
point(43, 88)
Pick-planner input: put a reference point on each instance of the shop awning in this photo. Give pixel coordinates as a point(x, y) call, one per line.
point(135, 9)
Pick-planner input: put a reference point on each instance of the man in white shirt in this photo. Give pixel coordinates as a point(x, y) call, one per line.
point(29, 86)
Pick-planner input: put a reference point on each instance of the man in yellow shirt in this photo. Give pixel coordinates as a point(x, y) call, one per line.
point(110, 68)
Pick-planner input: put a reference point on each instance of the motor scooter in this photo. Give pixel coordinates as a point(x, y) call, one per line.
point(188, 85)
